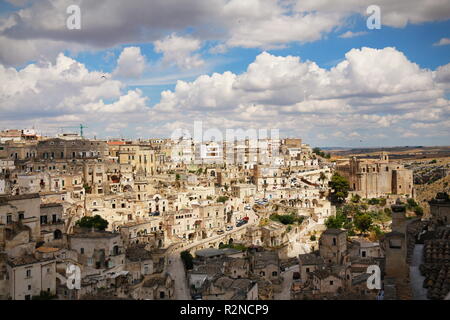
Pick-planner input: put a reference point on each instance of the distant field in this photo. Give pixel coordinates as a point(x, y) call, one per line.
point(404, 153)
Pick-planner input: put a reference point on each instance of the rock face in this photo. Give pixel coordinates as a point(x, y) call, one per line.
point(426, 192)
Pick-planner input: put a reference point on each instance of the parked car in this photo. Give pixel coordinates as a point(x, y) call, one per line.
point(248, 207)
point(246, 218)
point(220, 232)
point(229, 228)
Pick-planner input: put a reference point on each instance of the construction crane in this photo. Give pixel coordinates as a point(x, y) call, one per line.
point(81, 127)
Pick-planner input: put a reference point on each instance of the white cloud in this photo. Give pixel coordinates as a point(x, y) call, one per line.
point(39, 29)
point(442, 42)
point(131, 63)
point(179, 51)
point(63, 89)
point(350, 34)
point(371, 92)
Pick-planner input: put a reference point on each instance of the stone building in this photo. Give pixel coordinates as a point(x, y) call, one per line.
point(29, 276)
point(333, 246)
point(440, 208)
point(372, 178)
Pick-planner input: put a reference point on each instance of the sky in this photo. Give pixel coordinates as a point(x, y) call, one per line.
point(308, 68)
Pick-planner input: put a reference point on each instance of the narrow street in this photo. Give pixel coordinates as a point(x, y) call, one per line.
point(419, 293)
point(176, 268)
point(285, 293)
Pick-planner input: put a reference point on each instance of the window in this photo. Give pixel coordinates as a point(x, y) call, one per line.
point(331, 283)
point(274, 274)
point(28, 273)
point(307, 269)
point(82, 250)
point(363, 254)
point(334, 241)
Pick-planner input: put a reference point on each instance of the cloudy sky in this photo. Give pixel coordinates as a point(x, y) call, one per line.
point(309, 68)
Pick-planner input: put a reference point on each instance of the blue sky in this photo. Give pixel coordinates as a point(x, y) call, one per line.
point(342, 91)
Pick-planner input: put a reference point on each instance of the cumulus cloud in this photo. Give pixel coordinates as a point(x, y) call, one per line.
point(39, 29)
point(179, 51)
point(131, 63)
point(368, 94)
point(65, 91)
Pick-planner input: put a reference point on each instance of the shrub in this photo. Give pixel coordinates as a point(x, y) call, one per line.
point(363, 222)
point(96, 222)
point(356, 198)
point(222, 199)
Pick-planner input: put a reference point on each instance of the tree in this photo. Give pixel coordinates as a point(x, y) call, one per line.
point(87, 188)
point(362, 222)
point(340, 187)
point(336, 222)
point(177, 177)
point(222, 199)
point(418, 211)
point(356, 198)
point(96, 222)
point(188, 259)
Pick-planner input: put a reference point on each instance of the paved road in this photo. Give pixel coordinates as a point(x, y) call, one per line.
point(419, 293)
point(176, 268)
point(285, 293)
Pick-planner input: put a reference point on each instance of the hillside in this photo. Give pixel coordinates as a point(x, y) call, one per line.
point(427, 192)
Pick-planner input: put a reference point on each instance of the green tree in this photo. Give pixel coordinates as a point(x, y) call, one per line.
point(336, 222)
point(96, 222)
point(356, 198)
point(340, 187)
point(418, 211)
point(177, 176)
point(222, 199)
point(362, 222)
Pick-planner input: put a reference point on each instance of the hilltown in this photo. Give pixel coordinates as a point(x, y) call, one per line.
point(162, 219)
